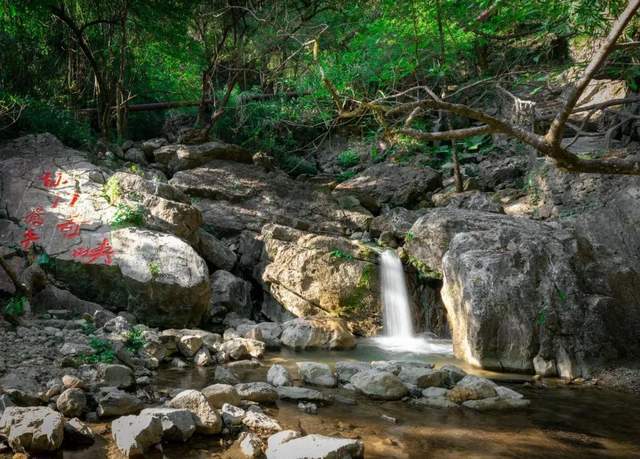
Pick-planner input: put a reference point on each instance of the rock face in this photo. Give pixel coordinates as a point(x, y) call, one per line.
point(136, 434)
point(391, 185)
point(291, 445)
point(32, 430)
point(312, 274)
point(57, 195)
point(317, 332)
point(236, 197)
point(231, 293)
point(517, 289)
point(379, 385)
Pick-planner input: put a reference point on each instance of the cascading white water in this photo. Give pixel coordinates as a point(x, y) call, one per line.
point(399, 335)
point(395, 299)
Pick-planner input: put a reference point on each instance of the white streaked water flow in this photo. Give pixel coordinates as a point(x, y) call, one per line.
point(395, 299)
point(399, 335)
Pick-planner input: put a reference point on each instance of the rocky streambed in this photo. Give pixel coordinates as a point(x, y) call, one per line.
point(253, 394)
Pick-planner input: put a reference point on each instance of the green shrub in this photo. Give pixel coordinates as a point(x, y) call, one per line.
point(348, 158)
point(16, 306)
point(135, 341)
point(341, 255)
point(103, 351)
point(127, 215)
point(346, 175)
point(88, 328)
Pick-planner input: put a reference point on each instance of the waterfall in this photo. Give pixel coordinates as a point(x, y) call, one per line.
point(395, 299)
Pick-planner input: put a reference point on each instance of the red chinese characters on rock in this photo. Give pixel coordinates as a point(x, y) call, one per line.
point(51, 180)
point(103, 250)
point(29, 238)
point(69, 229)
point(34, 217)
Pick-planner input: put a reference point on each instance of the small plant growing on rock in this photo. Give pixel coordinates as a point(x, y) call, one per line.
point(15, 307)
point(111, 190)
point(424, 271)
point(88, 328)
point(340, 255)
point(154, 269)
point(135, 341)
point(348, 158)
point(408, 237)
point(135, 169)
point(103, 351)
point(127, 215)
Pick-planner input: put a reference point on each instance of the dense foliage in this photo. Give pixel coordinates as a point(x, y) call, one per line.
point(266, 65)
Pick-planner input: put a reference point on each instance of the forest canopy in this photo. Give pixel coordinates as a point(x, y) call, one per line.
point(277, 76)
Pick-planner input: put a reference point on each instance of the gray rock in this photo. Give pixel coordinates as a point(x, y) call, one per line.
point(434, 392)
point(231, 292)
point(433, 402)
point(219, 394)
point(117, 403)
point(317, 374)
point(232, 415)
point(257, 392)
point(203, 357)
point(207, 419)
point(346, 369)
point(113, 375)
point(314, 446)
point(379, 385)
point(177, 424)
point(32, 430)
point(424, 377)
point(71, 403)
point(308, 407)
point(250, 445)
point(472, 388)
point(241, 348)
point(216, 252)
point(390, 184)
point(505, 392)
point(134, 435)
point(260, 422)
point(496, 403)
point(278, 376)
point(77, 433)
point(455, 373)
point(225, 376)
point(188, 345)
point(317, 332)
point(303, 394)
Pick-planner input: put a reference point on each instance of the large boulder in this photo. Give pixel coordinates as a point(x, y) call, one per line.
point(518, 290)
point(134, 435)
point(32, 430)
point(181, 157)
point(292, 445)
point(114, 402)
point(207, 419)
point(312, 274)
point(388, 184)
point(177, 424)
point(379, 385)
point(58, 197)
point(216, 252)
point(317, 333)
point(71, 402)
point(316, 374)
point(257, 392)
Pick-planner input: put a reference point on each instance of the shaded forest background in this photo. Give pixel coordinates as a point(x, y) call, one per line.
point(274, 76)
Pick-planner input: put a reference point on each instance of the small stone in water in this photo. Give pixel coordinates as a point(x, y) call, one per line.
point(390, 419)
point(309, 408)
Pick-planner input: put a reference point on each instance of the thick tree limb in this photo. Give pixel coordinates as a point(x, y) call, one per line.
point(454, 134)
point(555, 133)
